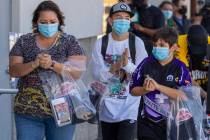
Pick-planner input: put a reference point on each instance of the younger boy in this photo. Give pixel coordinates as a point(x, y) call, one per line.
point(157, 79)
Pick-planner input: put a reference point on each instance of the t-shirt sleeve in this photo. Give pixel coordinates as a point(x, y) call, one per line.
point(138, 76)
point(17, 49)
point(184, 77)
point(74, 47)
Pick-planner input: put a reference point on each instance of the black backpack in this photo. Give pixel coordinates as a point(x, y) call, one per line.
point(132, 44)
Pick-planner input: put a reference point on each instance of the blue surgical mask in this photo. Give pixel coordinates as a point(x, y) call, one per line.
point(167, 14)
point(161, 53)
point(48, 30)
point(121, 26)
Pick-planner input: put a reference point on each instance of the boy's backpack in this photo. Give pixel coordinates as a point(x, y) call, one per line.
point(132, 44)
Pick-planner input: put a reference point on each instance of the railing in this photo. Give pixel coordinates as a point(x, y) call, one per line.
point(8, 91)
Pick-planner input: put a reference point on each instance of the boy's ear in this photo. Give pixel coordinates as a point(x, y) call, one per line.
point(174, 47)
point(109, 20)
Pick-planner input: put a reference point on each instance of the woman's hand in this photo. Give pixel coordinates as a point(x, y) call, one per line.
point(45, 60)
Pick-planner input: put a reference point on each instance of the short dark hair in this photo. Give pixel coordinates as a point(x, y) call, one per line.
point(47, 6)
point(168, 34)
point(175, 2)
point(164, 3)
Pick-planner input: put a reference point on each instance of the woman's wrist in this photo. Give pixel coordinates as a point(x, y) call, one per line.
point(56, 66)
point(34, 65)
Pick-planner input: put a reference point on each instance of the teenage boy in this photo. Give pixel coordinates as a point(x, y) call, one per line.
point(118, 112)
point(157, 79)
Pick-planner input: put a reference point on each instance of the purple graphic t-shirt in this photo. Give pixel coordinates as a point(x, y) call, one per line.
point(174, 75)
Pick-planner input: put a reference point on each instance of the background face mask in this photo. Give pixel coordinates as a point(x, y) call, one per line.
point(167, 14)
point(48, 30)
point(183, 10)
point(121, 26)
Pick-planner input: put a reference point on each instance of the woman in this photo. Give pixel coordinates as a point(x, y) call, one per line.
point(180, 16)
point(167, 9)
point(33, 115)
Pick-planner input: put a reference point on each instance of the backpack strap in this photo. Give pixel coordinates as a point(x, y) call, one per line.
point(105, 40)
point(132, 45)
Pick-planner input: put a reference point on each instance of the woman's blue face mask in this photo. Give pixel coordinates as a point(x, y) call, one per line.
point(121, 26)
point(48, 30)
point(161, 53)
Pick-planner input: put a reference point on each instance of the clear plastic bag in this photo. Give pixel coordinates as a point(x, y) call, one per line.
point(185, 119)
point(56, 91)
point(113, 88)
point(74, 92)
point(206, 122)
point(97, 91)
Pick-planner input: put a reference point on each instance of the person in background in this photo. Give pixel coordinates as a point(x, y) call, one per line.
point(33, 115)
point(167, 9)
point(197, 38)
point(157, 80)
point(150, 20)
point(197, 19)
point(182, 51)
point(180, 16)
point(205, 11)
point(114, 61)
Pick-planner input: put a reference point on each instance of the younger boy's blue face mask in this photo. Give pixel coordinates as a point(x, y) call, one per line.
point(161, 53)
point(167, 14)
point(121, 26)
point(48, 30)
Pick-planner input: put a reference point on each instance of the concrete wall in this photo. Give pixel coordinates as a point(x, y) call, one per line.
point(5, 100)
point(83, 17)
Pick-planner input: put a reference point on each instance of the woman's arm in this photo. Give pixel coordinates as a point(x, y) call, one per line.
point(19, 69)
point(147, 31)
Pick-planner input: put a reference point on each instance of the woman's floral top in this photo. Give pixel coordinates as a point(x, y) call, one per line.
point(31, 99)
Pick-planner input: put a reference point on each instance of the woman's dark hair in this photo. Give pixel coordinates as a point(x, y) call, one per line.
point(164, 3)
point(47, 6)
point(168, 34)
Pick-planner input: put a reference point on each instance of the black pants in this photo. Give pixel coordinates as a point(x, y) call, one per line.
point(124, 130)
point(148, 130)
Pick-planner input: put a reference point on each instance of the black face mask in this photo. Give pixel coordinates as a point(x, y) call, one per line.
point(183, 10)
